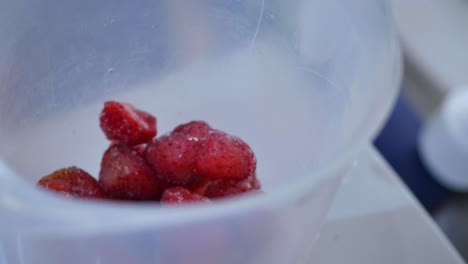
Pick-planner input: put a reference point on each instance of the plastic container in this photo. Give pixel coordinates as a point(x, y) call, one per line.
point(305, 83)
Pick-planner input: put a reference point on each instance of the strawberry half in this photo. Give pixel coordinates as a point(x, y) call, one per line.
point(180, 195)
point(223, 156)
point(124, 123)
point(73, 182)
point(125, 175)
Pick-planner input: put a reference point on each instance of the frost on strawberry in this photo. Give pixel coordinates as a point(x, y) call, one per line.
point(224, 188)
point(180, 195)
point(173, 157)
point(223, 156)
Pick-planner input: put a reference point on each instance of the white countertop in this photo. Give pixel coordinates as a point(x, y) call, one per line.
point(374, 219)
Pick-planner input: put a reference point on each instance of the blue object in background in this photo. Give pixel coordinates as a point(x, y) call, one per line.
point(398, 144)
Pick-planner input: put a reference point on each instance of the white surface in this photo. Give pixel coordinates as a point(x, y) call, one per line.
point(443, 143)
point(435, 37)
point(375, 220)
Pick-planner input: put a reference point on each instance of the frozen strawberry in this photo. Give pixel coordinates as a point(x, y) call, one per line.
point(141, 149)
point(73, 182)
point(196, 129)
point(199, 185)
point(125, 175)
point(224, 188)
point(124, 123)
point(180, 195)
point(173, 157)
point(223, 156)
point(165, 185)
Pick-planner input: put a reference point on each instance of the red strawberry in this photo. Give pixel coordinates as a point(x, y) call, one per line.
point(125, 175)
point(196, 129)
point(172, 157)
point(224, 188)
point(164, 185)
point(124, 123)
point(180, 195)
point(223, 156)
point(141, 149)
point(73, 182)
point(199, 185)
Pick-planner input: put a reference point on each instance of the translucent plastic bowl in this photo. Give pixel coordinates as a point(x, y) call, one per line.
point(305, 83)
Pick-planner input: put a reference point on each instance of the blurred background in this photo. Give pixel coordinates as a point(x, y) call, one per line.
point(425, 139)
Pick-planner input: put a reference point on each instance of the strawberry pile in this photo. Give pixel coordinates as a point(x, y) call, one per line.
point(193, 163)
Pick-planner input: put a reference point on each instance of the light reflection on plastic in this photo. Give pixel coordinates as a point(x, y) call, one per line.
point(8, 201)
